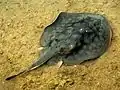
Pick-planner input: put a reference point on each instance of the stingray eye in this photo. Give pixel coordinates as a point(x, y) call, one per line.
point(81, 30)
point(71, 46)
point(88, 31)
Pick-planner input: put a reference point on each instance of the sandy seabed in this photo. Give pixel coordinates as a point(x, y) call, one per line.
point(21, 25)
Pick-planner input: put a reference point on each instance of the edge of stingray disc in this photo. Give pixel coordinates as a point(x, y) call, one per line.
point(42, 36)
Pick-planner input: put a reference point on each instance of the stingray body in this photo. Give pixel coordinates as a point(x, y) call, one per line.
point(84, 36)
point(73, 37)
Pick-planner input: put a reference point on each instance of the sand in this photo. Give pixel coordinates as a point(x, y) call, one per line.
point(21, 25)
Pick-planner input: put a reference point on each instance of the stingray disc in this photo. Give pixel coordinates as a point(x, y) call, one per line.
point(93, 32)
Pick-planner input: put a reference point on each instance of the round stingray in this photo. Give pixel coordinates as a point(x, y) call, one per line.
point(89, 34)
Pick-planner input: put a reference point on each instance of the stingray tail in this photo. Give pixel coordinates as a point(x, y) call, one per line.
point(43, 59)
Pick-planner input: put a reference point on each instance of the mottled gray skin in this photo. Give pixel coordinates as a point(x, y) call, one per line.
point(89, 34)
point(74, 38)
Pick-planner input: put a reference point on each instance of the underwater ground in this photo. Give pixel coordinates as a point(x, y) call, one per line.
point(21, 25)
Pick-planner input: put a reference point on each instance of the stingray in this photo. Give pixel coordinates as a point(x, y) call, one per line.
point(73, 38)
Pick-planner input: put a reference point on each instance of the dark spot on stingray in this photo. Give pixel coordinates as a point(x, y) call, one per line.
point(74, 38)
